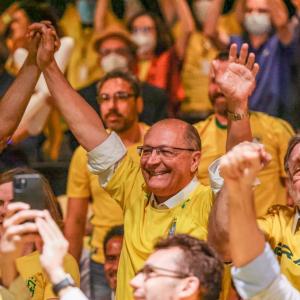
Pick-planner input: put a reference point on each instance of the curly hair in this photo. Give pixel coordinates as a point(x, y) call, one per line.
point(198, 259)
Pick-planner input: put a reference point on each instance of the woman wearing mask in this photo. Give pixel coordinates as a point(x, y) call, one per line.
point(160, 59)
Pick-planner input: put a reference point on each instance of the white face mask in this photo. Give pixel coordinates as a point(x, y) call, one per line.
point(113, 61)
point(201, 9)
point(258, 23)
point(145, 41)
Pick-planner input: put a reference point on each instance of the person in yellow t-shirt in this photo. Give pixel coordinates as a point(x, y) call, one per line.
point(120, 104)
point(199, 54)
point(281, 225)
point(273, 133)
point(22, 258)
point(161, 195)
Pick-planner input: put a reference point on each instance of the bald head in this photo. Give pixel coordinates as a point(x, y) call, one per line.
point(181, 130)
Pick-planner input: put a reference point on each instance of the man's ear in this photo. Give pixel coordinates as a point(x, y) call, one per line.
point(140, 104)
point(188, 287)
point(195, 161)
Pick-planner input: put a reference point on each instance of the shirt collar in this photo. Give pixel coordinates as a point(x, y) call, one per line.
point(296, 220)
point(174, 200)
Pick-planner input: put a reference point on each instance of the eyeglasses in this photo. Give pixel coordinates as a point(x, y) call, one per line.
point(118, 96)
point(163, 151)
point(144, 29)
point(152, 271)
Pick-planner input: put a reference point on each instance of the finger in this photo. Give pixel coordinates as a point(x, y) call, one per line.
point(255, 69)
point(233, 53)
point(250, 61)
point(52, 225)
point(44, 231)
point(14, 207)
point(21, 217)
point(20, 230)
point(243, 54)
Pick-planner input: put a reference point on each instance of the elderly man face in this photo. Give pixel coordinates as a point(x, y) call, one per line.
point(6, 195)
point(169, 158)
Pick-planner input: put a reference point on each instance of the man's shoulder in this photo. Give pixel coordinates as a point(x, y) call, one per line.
point(280, 211)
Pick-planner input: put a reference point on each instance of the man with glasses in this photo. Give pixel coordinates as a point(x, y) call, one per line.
point(120, 104)
point(117, 51)
point(181, 267)
point(161, 195)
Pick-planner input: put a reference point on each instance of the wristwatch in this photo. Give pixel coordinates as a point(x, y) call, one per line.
point(67, 281)
point(236, 116)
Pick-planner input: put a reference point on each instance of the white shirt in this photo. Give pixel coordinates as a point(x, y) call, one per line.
point(261, 279)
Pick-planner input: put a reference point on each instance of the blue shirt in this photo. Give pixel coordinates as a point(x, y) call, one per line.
point(271, 92)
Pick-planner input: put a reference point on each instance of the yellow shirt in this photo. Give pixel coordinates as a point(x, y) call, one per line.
point(195, 74)
point(144, 224)
point(106, 212)
point(274, 133)
point(39, 286)
point(284, 237)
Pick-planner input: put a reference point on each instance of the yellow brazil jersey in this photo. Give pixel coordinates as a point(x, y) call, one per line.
point(273, 132)
point(38, 284)
point(144, 224)
point(106, 212)
point(195, 74)
point(284, 237)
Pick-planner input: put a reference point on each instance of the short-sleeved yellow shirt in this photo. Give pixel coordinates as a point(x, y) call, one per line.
point(144, 224)
point(278, 227)
point(106, 212)
point(39, 286)
point(273, 132)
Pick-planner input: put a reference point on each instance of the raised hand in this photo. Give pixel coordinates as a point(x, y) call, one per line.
point(55, 246)
point(238, 81)
point(241, 165)
point(49, 42)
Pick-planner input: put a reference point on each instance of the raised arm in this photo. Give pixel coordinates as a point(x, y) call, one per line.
point(280, 20)
point(187, 26)
point(83, 121)
point(237, 84)
point(15, 100)
point(99, 16)
point(239, 168)
point(211, 24)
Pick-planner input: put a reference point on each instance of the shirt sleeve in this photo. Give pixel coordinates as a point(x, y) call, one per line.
point(252, 278)
point(74, 293)
point(104, 159)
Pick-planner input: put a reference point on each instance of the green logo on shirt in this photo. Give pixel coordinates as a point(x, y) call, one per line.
point(282, 249)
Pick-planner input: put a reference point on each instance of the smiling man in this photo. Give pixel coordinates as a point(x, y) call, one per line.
point(160, 196)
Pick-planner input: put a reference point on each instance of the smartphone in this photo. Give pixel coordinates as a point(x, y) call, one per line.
point(28, 188)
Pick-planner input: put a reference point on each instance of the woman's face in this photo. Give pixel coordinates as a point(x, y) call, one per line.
point(144, 32)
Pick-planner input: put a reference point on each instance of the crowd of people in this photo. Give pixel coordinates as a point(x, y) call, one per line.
point(179, 123)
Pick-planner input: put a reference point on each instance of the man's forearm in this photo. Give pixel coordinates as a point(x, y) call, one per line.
point(246, 240)
point(15, 100)
point(82, 119)
point(218, 225)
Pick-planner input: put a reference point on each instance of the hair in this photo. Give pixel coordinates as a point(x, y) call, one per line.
point(114, 231)
point(198, 259)
point(126, 76)
point(3, 53)
point(164, 38)
point(293, 142)
point(192, 137)
point(51, 202)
